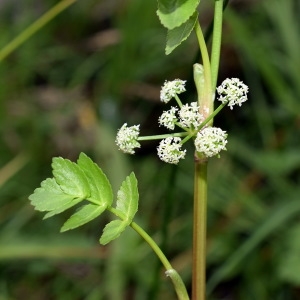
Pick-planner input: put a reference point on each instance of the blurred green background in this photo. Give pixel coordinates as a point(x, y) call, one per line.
point(101, 63)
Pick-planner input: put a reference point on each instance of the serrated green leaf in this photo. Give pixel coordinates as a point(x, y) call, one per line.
point(112, 230)
point(84, 215)
point(128, 197)
point(173, 13)
point(70, 177)
point(100, 188)
point(179, 34)
point(49, 196)
point(60, 208)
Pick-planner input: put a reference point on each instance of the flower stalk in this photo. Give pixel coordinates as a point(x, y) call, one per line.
point(199, 228)
point(170, 271)
point(196, 119)
point(216, 41)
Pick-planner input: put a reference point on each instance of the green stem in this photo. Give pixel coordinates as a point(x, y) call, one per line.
point(199, 231)
point(152, 244)
point(210, 117)
point(182, 127)
point(187, 138)
point(216, 42)
point(200, 184)
point(205, 98)
point(161, 136)
point(170, 271)
point(34, 27)
point(178, 100)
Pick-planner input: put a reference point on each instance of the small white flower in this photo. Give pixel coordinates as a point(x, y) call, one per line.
point(189, 116)
point(169, 150)
point(232, 91)
point(168, 118)
point(171, 88)
point(211, 141)
point(126, 138)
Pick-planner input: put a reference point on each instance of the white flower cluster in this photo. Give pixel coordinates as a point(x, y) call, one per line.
point(171, 88)
point(232, 91)
point(211, 141)
point(168, 118)
point(126, 138)
point(188, 117)
point(169, 150)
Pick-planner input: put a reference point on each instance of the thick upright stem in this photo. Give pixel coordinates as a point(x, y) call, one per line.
point(216, 42)
point(205, 89)
point(199, 233)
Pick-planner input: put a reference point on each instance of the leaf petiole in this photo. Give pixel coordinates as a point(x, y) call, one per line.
point(170, 271)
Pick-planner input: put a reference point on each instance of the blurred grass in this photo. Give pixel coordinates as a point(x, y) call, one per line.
point(100, 64)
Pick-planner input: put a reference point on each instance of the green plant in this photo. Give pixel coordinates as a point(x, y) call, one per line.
point(73, 183)
point(253, 190)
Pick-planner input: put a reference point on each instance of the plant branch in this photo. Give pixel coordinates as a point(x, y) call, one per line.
point(170, 271)
point(210, 117)
point(199, 231)
point(161, 136)
point(178, 100)
point(216, 42)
